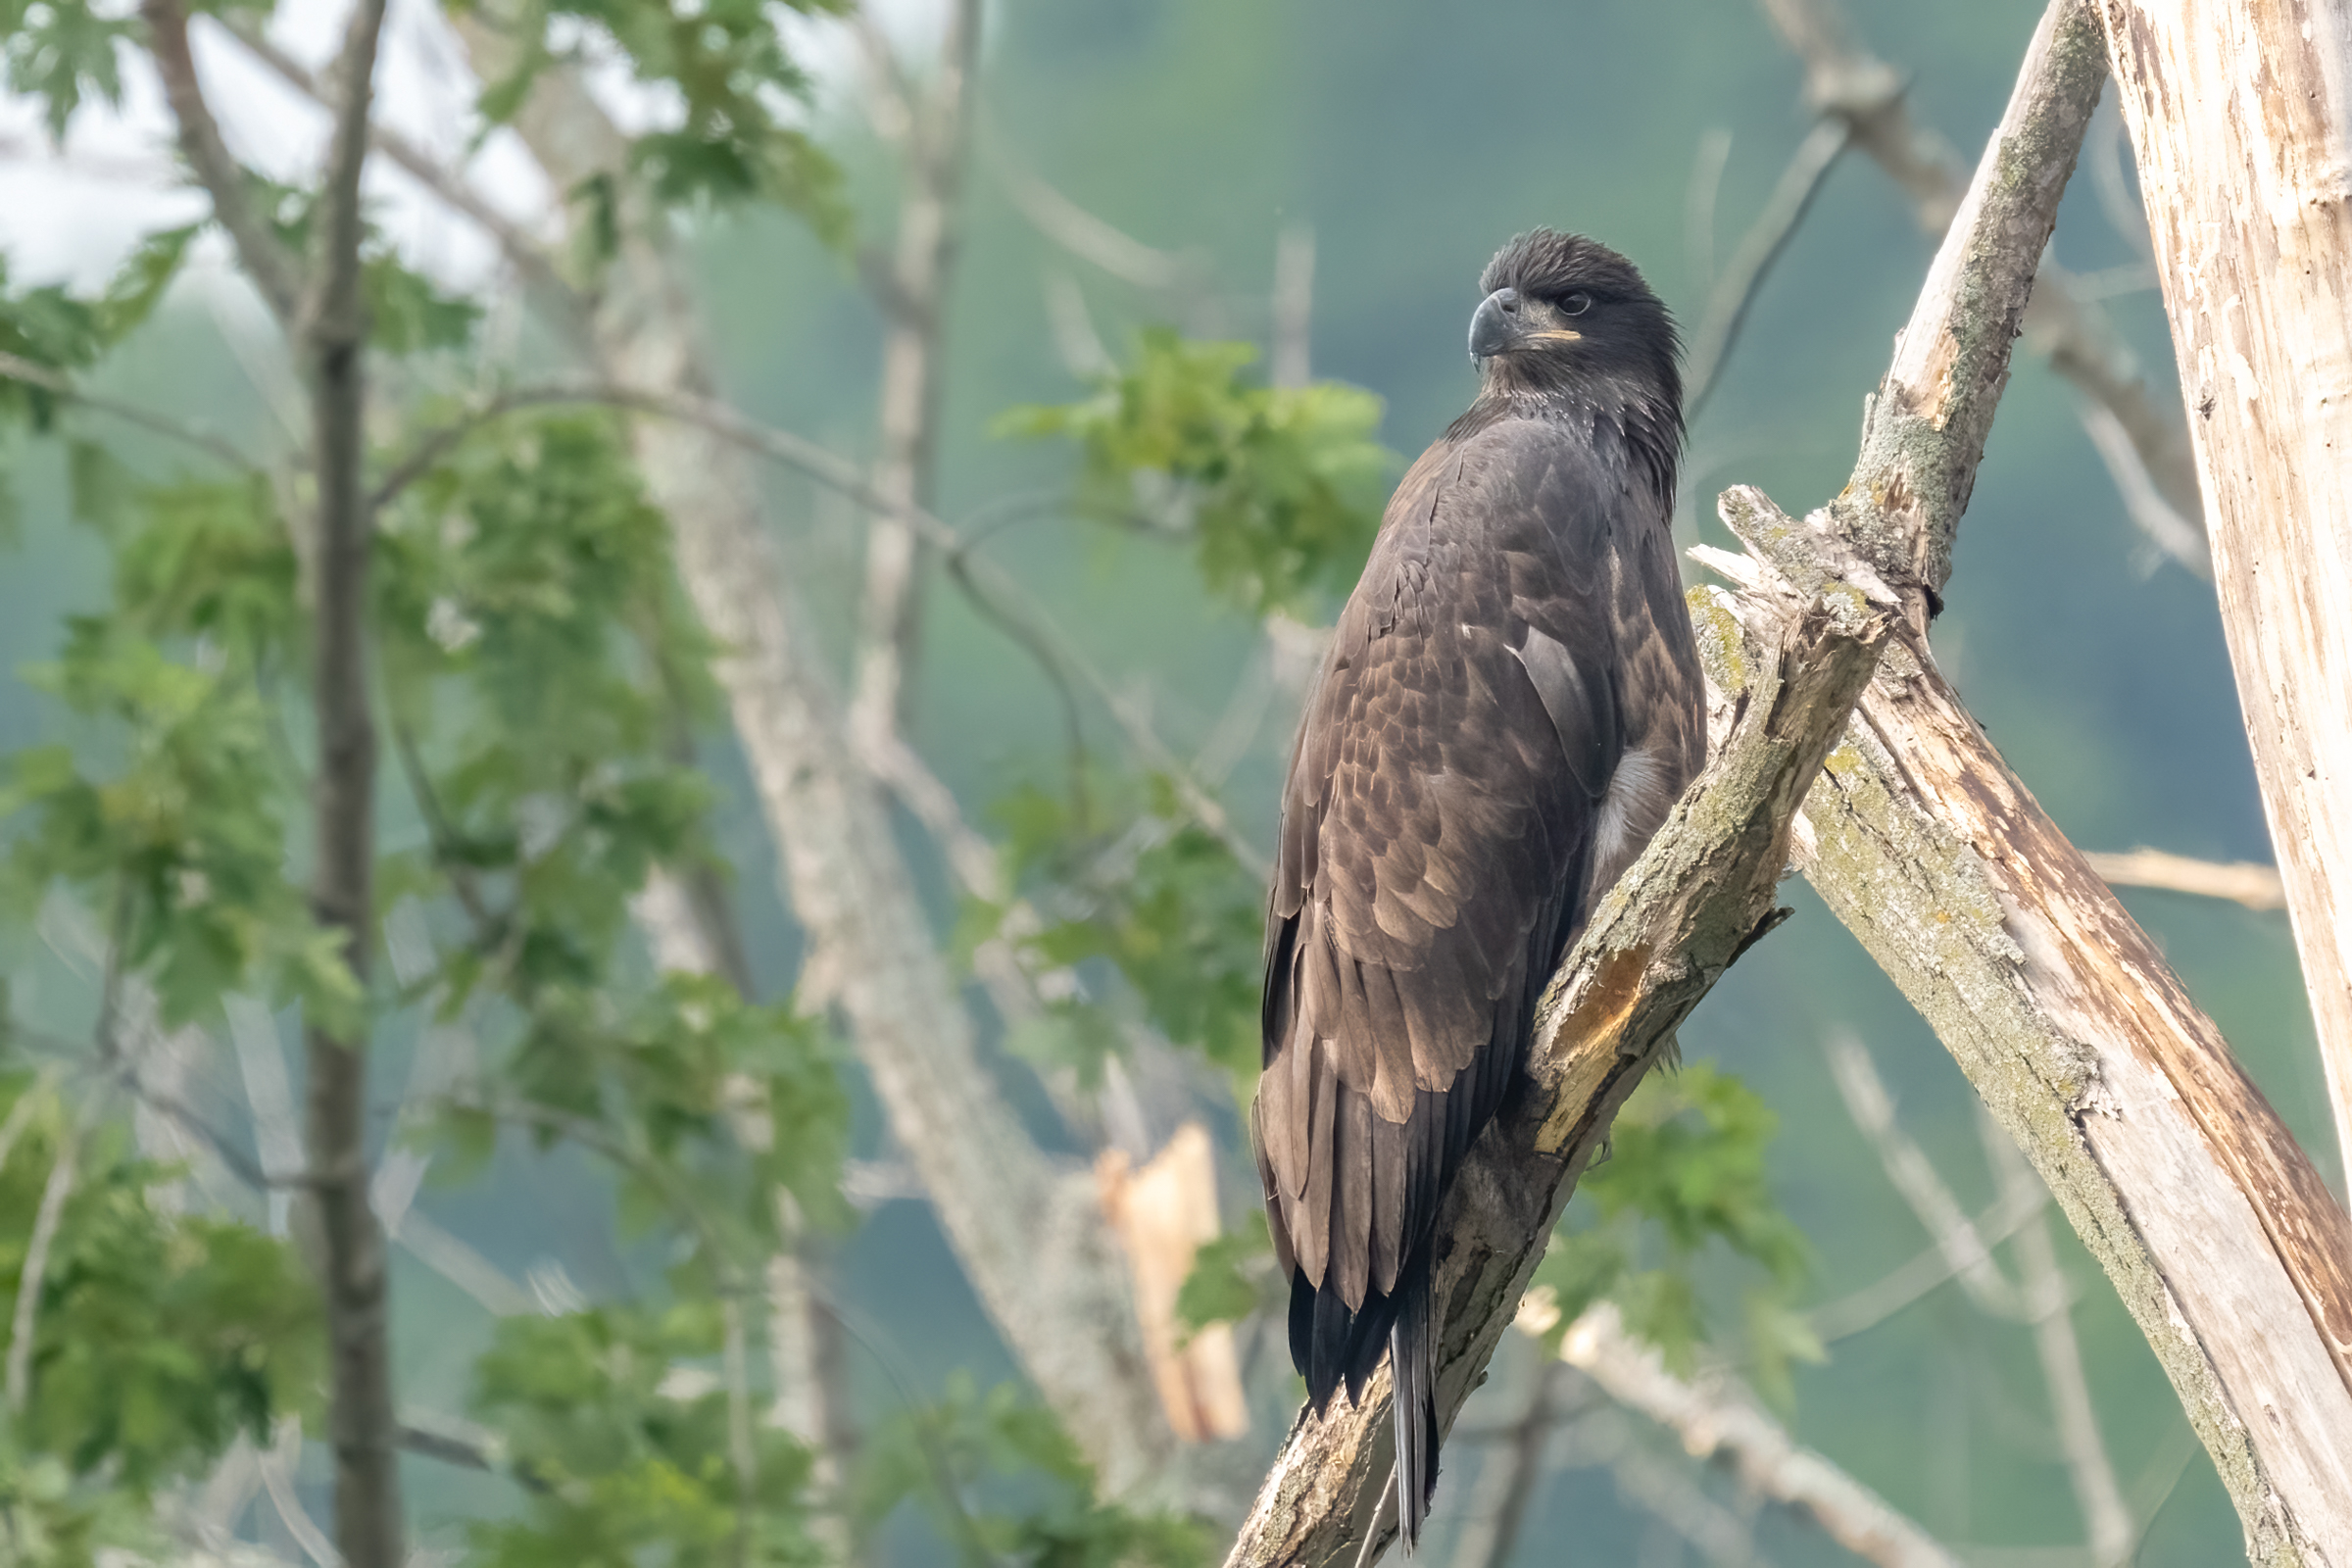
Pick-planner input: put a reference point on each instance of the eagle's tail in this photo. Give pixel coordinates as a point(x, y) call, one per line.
point(1413, 1369)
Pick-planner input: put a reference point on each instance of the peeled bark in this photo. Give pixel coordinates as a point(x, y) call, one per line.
point(2240, 119)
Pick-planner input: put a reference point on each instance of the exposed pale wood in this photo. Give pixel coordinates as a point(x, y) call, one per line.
point(2239, 117)
point(1164, 1210)
point(2220, 1239)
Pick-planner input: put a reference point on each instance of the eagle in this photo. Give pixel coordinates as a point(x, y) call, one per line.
point(1511, 705)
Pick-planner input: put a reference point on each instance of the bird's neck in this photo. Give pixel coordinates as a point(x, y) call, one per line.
point(1644, 420)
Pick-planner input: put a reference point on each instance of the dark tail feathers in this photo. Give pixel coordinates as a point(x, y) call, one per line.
point(1411, 1362)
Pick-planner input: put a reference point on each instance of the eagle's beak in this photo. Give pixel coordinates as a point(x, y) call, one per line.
point(1502, 324)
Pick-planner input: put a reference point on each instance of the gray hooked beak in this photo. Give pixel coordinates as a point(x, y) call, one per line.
point(1501, 325)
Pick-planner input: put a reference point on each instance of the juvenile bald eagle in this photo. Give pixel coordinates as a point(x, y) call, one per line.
point(1511, 705)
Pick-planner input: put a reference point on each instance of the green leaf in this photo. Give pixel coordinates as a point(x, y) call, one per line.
point(1231, 1277)
point(1280, 489)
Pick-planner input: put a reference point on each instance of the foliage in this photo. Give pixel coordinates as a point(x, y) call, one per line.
point(158, 1336)
point(1279, 487)
point(1132, 881)
point(1233, 1277)
point(625, 1448)
point(734, 80)
point(1685, 1170)
point(1047, 1515)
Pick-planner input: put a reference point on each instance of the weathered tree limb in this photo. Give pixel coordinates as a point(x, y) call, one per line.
point(1845, 81)
point(2220, 1239)
point(2240, 121)
point(1865, 568)
point(1029, 1235)
point(936, 144)
point(1713, 1419)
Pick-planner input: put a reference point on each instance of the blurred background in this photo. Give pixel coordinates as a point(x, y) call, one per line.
point(1323, 182)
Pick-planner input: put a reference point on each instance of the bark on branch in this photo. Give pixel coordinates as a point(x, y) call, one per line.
point(2240, 121)
point(1863, 570)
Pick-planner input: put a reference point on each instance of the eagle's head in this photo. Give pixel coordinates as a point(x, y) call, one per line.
point(1564, 313)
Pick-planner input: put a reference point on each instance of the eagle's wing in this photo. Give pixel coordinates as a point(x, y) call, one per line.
point(1438, 831)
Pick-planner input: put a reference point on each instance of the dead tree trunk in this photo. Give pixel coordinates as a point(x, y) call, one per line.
point(2242, 118)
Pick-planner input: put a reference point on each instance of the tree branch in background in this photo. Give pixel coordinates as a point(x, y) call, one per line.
point(60, 386)
point(1742, 277)
point(1716, 1420)
point(523, 252)
point(2107, 1525)
point(2238, 121)
point(1968, 1257)
point(1844, 79)
point(1031, 1239)
point(1507, 1479)
point(2246, 882)
point(936, 143)
point(1704, 892)
point(1291, 364)
point(2222, 1242)
point(275, 271)
point(33, 1274)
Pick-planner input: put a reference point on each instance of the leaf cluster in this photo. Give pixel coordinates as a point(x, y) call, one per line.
point(1131, 881)
point(1685, 1173)
point(158, 1336)
point(738, 92)
point(1004, 1483)
point(620, 1432)
point(1278, 488)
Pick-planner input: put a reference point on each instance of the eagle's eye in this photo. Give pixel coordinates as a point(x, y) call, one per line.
point(1576, 304)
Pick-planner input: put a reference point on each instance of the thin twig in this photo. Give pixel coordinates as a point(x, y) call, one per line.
point(742, 1457)
point(1742, 277)
point(1916, 1179)
point(837, 473)
point(21, 1114)
point(34, 1272)
point(525, 254)
point(1290, 365)
point(59, 385)
point(1879, 1300)
point(1844, 80)
point(2106, 1521)
point(1506, 1479)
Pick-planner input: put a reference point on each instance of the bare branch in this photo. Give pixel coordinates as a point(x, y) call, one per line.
point(1032, 1241)
point(1842, 79)
point(1080, 232)
point(275, 271)
point(1704, 892)
point(2247, 882)
point(188, 434)
point(1889, 1294)
point(1714, 1419)
point(1742, 277)
point(1507, 1479)
point(2106, 1521)
point(1967, 1254)
point(914, 355)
